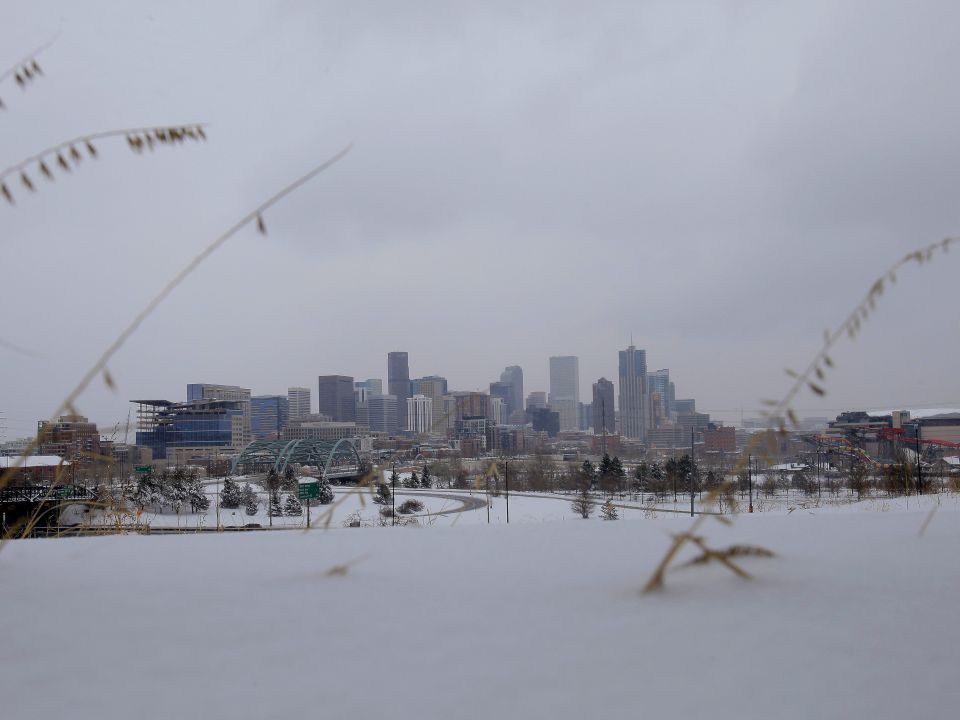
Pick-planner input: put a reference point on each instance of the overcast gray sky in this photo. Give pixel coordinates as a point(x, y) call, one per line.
point(722, 180)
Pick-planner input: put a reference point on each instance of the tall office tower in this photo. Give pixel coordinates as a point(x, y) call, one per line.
point(633, 393)
point(374, 386)
point(361, 405)
point(335, 397)
point(497, 410)
point(398, 383)
point(536, 400)
point(658, 382)
point(225, 393)
point(565, 390)
point(603, 409)
point(513, 376)
point(419, 414)
point(434, 387)
point(299, 400)
point(584, 416)
point(269, 415)
point(502, 390)
point(383, 413)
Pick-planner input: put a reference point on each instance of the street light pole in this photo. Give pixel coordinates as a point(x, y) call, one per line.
point(750, 481)
point(693, 471)
point(919, 469)
point(506, 483)
point(393, 495)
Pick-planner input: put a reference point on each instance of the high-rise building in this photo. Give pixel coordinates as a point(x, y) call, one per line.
point(584, 416)
point(472, 405)
point(361, 396)
point(196, 428)
point(565, 390)
point(374, 386)
point(536, 400)
point(513, 376)
point(633, 392)
point(269, 415)
point(335, 397)
point(502, 391)
point(658, 384)
point(497, 410)
point(603, 408)
point(298, 399)
point(419, 414)
point(433, 387)
point(382, 412)
point(398, 382)
point(225, 393)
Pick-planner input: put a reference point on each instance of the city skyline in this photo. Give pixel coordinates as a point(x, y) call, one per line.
point(726, 241)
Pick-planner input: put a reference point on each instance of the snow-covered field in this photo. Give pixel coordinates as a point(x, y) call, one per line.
point(854, 618)
point(444, 507)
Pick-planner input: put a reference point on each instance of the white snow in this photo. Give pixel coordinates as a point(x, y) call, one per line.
point(33, 461)
point(855, 618)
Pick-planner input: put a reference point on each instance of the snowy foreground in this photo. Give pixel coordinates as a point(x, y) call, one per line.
point(855, 618)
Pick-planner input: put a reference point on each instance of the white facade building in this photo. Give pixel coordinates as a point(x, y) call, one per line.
point(299, 399)
point(419, 414)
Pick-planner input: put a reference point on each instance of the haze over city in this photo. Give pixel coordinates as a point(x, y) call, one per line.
point(721, 181)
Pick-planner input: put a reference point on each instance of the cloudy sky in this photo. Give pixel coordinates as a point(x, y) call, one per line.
point(722, 180)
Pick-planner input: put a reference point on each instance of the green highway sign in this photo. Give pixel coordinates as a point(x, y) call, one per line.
point(143, 469)
point(309, 491)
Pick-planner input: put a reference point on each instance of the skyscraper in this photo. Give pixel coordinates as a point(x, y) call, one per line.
point(603, 409)
point(269, 415)
point(513, 376)
point(299, 401)
point(335, 397)
point(633, 393)
point(382, 412)
point(658, 385)
point(433, 387)
point(225, 393)
point(398, 383)
point(419, 414)
point(565, 390)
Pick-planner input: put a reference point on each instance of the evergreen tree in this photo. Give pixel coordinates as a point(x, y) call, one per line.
point(289, 479)
point(196, 495)
point(582, 505)
point(616, 467)
point(248, 496)
point(276, 510)
point(425, 480)
point(414, 481)
point(250, 503)
point(292, 506)
point(608, 511)
point(326, 492)
point(231, 496)
point(383, 494)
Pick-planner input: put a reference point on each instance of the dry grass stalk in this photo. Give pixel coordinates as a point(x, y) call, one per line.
point(26, 70)
point(764, 444)
point(66, 155)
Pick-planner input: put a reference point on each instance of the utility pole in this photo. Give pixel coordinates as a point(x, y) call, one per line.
point(750, 481)
point(506, 483)
point(393, 496)
point(603, 422)
point(693, 471)
point(919, 469)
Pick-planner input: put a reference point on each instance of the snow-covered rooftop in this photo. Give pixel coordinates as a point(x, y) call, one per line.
point(33, 461)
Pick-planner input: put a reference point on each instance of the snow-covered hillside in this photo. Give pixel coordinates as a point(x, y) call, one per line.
point(855, 617)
